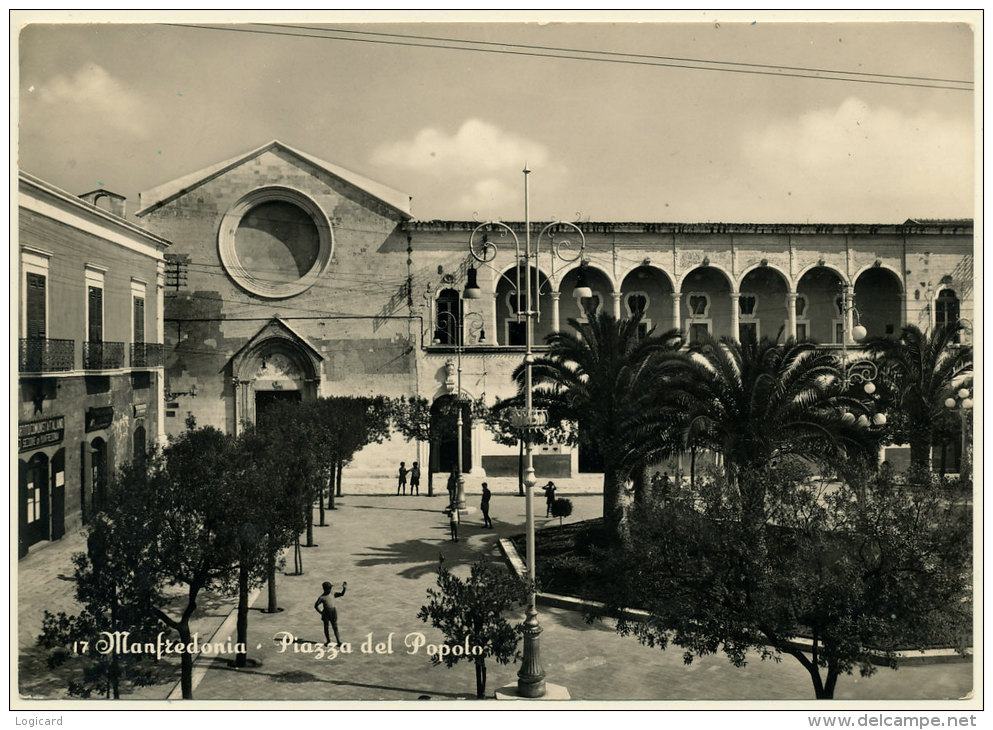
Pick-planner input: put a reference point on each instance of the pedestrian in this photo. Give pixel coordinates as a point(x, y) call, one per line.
point(453, 522)
point(324, 605)
point(484, 505)
point(453, 487)
point(415, 479)
point(549, 497)
point(402, 478)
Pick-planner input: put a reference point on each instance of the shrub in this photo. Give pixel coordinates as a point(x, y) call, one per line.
point(561, 507)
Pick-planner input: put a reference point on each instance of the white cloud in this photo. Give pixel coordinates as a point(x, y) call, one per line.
point(873, 160)
point(475, 170)
point(477, 146)
point(91, 96)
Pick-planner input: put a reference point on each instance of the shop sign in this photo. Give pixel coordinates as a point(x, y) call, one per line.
point(97, 418)
point(35, 434)
point(140, 409)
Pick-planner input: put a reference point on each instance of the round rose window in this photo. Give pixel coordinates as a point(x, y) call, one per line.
point(275, 243)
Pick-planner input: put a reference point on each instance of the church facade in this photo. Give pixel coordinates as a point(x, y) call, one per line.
point(290, 278)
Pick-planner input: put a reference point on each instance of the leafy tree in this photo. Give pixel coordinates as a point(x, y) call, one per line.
point(508, 432)
point(116, 596)
point(360, 421)
point(470, 612)
point(268, 520)
point(855, 574)
point(920, 371)
point(599, 376)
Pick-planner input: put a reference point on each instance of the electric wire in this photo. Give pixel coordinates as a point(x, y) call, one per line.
point(878, 81)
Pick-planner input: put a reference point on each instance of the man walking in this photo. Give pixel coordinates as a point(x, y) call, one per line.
point(484, 505)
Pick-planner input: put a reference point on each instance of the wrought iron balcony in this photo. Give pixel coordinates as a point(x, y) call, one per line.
point(39, 355)
point(103, 355)
point(146, 354)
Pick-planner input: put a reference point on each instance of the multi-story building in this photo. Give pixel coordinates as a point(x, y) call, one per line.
point(293, 278)
point(90, 382)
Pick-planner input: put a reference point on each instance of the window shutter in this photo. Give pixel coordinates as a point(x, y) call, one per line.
point(35, 306)
point(139, 319)
point(96, 314)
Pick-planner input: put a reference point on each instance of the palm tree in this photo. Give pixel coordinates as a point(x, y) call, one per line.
point(599, 377)
point(758, 402)
point(921, 370)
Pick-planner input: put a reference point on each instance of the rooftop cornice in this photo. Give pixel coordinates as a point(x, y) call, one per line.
point(593, 227)
point(40, 189)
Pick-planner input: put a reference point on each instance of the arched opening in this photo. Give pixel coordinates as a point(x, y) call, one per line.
point(276, 367)
point(33, 502)
point(138, 447)
point(649, 291)
point(878, 302)
point(819, 293)
point(509, 302)
point(600, 302)
point(706, 303)
point(946, 310)
point(448, 318)
point(762, 305)
point(445, 435)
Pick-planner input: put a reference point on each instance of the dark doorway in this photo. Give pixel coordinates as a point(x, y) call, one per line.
point(58, 494)
point(98, 473)
point(138, 445)
point(34, 501)
point(444, 435)
point(266, 399)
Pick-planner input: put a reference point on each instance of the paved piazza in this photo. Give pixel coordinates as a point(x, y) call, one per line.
point(387, 548)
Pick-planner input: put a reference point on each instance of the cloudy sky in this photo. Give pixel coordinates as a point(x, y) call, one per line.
point(613, 135)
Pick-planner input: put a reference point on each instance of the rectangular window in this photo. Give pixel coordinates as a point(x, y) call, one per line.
point(94, 330)
point(801, 331)
point(698, 331)
point(138, 308)
point(35, 306)
point(748, 332)
point(839, 332)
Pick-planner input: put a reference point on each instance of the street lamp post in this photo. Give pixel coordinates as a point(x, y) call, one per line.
point(962, 403)
point(859, 372)
point(476, 325)
point(531, 677)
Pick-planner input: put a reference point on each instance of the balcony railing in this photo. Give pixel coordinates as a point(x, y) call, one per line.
point(38, 355)
point(146, 354)
point(103, 355)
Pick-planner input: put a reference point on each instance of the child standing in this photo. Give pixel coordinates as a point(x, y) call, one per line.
point(324, 605)
point(453, 522)
point(402, 478)
point(415, 479)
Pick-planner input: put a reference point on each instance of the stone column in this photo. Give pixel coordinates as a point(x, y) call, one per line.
point(846, 309)
point(497, 335)
point(555, 310)
point(735, 315)
point(791, 313)
point(617, 304)
point(676, 298)
point(236, 387)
